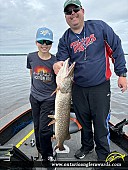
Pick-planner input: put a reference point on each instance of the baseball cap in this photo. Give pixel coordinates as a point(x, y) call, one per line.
point(44, 34)
point(69, 2)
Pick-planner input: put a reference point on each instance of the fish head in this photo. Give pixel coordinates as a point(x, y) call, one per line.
point(64, 77)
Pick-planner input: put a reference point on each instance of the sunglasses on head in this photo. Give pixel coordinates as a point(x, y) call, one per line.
point(47, 42)
point(69, 12)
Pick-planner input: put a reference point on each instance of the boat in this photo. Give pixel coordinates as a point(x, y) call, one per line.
point(17, 143)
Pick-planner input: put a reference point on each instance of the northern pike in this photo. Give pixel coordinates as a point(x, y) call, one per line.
point(64, 81)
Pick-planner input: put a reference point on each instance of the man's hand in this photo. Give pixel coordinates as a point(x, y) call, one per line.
point(122, 83)
point(57, 66)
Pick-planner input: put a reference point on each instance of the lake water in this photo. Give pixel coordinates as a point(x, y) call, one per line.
point(15, 87)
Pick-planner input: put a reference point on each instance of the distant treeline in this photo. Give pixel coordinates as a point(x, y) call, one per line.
point(11, 54)
point(20, 54)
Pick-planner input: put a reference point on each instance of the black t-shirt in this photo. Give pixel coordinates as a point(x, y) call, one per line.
point(43, 82)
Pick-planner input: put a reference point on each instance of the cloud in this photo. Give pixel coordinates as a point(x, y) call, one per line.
point(20, 20)
point(111, 11)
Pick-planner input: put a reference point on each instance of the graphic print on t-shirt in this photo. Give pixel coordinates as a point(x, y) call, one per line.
point(42, 73)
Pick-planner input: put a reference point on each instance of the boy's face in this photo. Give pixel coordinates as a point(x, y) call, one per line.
point(44, 47)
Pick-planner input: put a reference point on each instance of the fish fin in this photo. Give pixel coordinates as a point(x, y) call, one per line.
point(53, 137)
point(55, 90)
point(68, 137)
point(52, 122)
point(51, 116)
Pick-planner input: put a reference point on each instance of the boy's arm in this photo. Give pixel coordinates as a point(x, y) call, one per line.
point(30, 72)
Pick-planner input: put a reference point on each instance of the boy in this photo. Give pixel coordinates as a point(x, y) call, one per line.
point(43, 84)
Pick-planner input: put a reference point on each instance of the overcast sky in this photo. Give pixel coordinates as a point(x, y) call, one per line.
point(20, 19)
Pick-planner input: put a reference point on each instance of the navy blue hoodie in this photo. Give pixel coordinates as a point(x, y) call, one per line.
point(92, 50)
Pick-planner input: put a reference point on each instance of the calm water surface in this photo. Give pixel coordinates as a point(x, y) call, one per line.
point(15, 87)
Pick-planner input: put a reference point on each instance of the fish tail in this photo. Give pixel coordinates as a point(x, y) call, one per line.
point(60, 147)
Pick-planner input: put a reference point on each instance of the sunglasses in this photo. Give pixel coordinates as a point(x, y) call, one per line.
point(47, 42)
point(69, 12)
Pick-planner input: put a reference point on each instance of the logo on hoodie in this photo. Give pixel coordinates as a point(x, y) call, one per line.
point(80, 45)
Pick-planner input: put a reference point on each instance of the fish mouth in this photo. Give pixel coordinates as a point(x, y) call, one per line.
point(68, 69)
point(71, 69)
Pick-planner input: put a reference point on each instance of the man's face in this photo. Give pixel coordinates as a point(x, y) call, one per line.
point(74, 16)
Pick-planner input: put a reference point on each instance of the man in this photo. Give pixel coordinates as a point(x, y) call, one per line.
point(90, 44)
